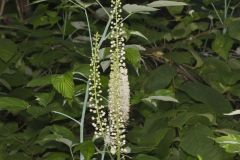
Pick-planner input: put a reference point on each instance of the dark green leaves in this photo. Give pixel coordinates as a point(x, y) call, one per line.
point(234, 29)
point(197, 142)
point(86, 148)
point(133, 57)
point(204, 94)
point(8, 49)
point(160, 78)
point(145, 157)
point(222, 45)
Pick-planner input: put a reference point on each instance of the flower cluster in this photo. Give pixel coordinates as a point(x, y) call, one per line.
point(99, 120)
point(119, 92)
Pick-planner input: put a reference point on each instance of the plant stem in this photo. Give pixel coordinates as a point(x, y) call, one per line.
point(71, 153)
point(103, 153)
point(104, 35)
point(89, 28)
point(83, 117)
point(67, 117)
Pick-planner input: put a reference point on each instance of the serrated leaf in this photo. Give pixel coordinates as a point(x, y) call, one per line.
point(64, 84)
point(134, 8)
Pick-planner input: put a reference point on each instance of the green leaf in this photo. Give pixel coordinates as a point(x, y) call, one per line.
point(15, 104)
point(196, 142)
point(39, 82)
point(57, 156)
point(181, 119)
point(86, 148)
point(149, 136)
point(222, 44)
point(44, 98)
point(64, 84)
point(133, 57)
point(145, 157)
point(162, 95)
point(231, 143)
point(159, 78)
point(56, 133)
point(161, 98)
point(166, 3)
point(207, 95)
point(139, 34)
point(7, 49)
point(134, 8)
point(233, 29)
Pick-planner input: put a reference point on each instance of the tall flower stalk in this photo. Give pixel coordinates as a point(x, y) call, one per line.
point(118, 84)
point(98, 118)
point(113, 132)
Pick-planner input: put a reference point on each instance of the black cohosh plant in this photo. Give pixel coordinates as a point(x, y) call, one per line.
point(111, 127)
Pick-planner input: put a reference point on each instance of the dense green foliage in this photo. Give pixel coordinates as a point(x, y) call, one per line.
point(183, 61)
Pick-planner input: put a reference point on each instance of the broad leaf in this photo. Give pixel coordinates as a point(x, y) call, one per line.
point(166, 3)
point(44, 98)
point(15, 104)
point(207, 95)
point(86, 148)
point(7, 49)
point(134, 8)
point(160, 78)
point(39, 82)
point(222, 45)
point(133, 57)
point(233, 29)
point(196, 142)
point(64, 84)
point(231, 143)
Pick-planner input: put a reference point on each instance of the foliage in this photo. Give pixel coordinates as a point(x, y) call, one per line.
point(183, 61)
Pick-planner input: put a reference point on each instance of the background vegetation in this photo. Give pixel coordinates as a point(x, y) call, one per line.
point(184, 64)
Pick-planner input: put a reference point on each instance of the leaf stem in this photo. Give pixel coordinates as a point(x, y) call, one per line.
point(67, 117)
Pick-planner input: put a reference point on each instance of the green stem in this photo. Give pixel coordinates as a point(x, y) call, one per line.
point(71, 153)
point(83, 117)
point(104, 35)
point(103, 153)
point(89, 28)
point(67, 116)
